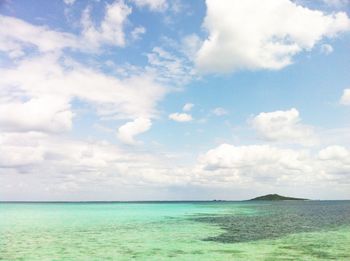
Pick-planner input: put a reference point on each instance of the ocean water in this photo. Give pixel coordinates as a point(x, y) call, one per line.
point(285, 230)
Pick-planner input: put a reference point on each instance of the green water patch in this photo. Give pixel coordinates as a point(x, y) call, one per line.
point(162, 232)
point(277, 219)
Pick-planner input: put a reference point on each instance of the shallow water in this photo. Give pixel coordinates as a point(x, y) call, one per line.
point(302, 230)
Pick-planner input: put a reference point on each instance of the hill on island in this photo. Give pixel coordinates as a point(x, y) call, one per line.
point(276, 197)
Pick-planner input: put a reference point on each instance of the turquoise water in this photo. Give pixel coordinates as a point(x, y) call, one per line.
point(310, 230)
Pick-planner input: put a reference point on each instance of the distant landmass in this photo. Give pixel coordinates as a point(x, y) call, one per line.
point(276, 197)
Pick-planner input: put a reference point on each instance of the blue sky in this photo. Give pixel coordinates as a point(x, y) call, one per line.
point(156, 99)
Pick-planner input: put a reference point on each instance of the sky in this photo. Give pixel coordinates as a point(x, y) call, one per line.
point(174, 100)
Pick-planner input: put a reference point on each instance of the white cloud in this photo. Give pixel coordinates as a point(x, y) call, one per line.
point(47, 113)
point(137, 32)
point(267, 34)
point(259, 164)
point(283, 126)
point(255, 160)
point(188, 107)
point(27, 87)
point(326, 49)
point(219, 111)
point(334, 152)
point(336, 135)
point(190, 45)
point(178, 6)
point(69, 2)
point(63, 164)
point(153, 5)
point(345, 99)
point(128, 131)
point(16, 34)
point(335, 160)
point(17, 151)
point(111, 29)
point(169, 67)
point(180, 117)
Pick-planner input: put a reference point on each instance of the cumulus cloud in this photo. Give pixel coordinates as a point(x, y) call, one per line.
point(38, 93)
point(128, 131)
point(262, 34)
point(334, 152)
point(18, 152)
point(47, 113)
point(111, 29)
point(335, 161)
point(188, 107)
point(153, 5)
point(63, 165)
point(267, 164)
point(255, 160)
point(283, 126)
point(345, 99)
point(180, 117)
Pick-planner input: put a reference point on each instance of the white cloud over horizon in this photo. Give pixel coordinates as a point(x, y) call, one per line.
point(63, 165)
point(269, 164)
point(283, 126)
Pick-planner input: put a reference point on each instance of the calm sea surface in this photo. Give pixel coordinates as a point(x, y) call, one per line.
point(285, 230)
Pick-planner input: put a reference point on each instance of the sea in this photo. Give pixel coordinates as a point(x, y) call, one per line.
point(213, 230)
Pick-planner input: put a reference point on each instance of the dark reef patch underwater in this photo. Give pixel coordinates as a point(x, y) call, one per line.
point(205, 231)
point(277, 219)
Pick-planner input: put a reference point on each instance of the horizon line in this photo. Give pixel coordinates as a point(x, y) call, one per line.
point(152, 201)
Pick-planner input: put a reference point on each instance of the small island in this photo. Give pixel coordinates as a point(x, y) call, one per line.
point(276, 197)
